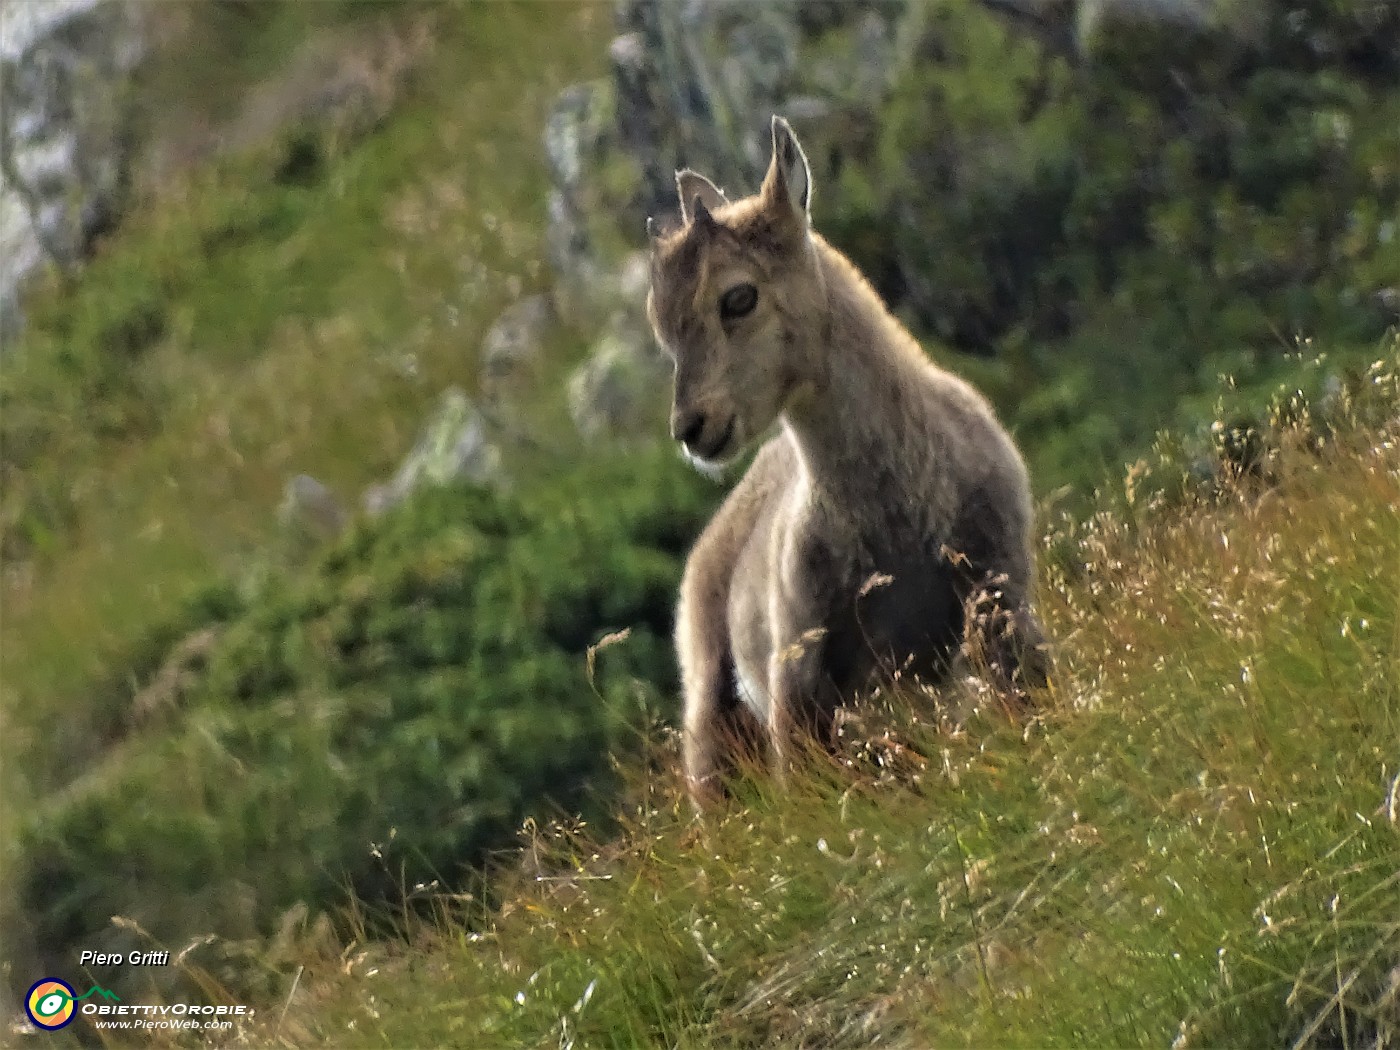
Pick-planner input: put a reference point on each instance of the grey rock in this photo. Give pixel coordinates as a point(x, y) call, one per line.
point(311, 507)
point(615, 391)
point(693, 84)
point(20, 255)
point(64, 130)
point(572, 133)
point(513, 349)
point(453, 446)
point(696, 81)
point(578, 150)
point(621, 390)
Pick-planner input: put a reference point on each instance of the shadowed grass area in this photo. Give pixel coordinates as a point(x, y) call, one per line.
point(1197, 844)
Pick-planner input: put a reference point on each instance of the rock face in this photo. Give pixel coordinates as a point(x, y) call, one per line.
point(453, 446)
point(310, 507)
point(622, 387)
point(513, 350)
point(694, 83)
point(20, 255)
point(63, 129)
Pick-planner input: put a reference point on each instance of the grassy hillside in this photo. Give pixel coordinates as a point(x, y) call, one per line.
point(290, 292)
point(1196, 844)
point(295, 304)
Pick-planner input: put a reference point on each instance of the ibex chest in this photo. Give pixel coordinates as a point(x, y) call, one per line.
point(836, 609)
point(892, 613)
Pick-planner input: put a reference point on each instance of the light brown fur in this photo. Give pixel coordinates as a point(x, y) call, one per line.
point(889, 501)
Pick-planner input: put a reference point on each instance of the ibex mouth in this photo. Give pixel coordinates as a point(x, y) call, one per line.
point(717, 448)
point(711, 462)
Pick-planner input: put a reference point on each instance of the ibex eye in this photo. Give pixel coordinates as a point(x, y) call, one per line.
point(738, 301)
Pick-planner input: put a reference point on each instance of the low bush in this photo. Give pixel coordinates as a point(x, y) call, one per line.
point(385, 717)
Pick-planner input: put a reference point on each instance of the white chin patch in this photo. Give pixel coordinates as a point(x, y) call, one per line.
point(713, 469)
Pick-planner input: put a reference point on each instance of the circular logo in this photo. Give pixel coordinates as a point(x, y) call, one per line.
point(49, 1003)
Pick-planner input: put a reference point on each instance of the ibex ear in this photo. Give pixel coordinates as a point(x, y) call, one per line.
point(700, 215)
point(692, 186)
point(788, 184)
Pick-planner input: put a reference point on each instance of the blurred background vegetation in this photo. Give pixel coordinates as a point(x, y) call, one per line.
point(332, 431)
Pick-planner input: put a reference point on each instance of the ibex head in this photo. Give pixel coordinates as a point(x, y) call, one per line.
point(737, 302)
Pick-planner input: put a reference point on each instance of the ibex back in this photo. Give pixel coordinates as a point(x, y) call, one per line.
point(888, 501)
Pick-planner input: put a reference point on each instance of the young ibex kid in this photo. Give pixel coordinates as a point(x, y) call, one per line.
point(887, 504)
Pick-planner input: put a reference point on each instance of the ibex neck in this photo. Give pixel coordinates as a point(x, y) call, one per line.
point(853, 429)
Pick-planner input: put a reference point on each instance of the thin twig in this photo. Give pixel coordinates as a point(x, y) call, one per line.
point(287, 1005)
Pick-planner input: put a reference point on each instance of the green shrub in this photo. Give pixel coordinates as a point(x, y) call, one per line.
point(1134, 215)
point(386, 717)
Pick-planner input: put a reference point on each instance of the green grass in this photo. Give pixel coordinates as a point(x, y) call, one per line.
point(249, 321)
point(1193, 842)
point(1196, 844)
point(158, 405)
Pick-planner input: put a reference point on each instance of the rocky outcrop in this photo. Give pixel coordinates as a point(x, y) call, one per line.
point(695, 83)
point(580, 143)
point(513, 351)
point(454, 445)
point(311, 509)
point(20, 255)
point(620, 388)
point(64, 142)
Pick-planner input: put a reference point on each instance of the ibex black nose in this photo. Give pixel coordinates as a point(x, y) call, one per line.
point(686, 427)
